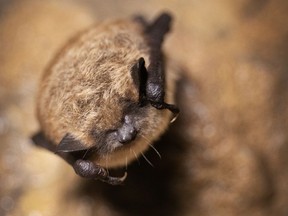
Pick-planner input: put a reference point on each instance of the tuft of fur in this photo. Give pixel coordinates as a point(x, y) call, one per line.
point(88, 88)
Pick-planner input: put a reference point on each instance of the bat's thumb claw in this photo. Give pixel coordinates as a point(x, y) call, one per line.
point(175, 116)
point(124, 177)
point(115, 180)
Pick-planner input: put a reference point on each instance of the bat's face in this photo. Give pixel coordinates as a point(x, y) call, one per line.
point(118, 127)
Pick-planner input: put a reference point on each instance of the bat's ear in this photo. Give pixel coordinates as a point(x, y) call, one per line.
point(70, 144)
point(139, 76)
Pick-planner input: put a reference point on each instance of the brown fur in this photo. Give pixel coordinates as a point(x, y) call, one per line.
point(85, 89)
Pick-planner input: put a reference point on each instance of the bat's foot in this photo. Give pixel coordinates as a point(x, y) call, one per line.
point(173, 108)
point(162, 105)
point(87, 169)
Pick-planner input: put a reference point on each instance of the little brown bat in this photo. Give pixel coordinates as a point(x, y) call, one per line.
point(102, 100)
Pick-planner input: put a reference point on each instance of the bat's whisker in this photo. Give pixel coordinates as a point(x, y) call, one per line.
point(135, 156)
point(157, 152)
point(148, 142)
point(149, 162)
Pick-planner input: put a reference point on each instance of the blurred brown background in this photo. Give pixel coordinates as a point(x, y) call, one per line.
point(225, 155)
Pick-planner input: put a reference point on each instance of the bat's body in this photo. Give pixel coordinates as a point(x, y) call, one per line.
point(98, 105)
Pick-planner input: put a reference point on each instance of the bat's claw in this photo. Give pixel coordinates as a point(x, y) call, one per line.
point(114, 180)
point(87, 169)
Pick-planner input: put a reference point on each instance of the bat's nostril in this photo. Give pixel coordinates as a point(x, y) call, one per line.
point(126, 133)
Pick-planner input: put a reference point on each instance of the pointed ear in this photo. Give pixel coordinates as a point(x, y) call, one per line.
point(70, 144)
point(139, 76)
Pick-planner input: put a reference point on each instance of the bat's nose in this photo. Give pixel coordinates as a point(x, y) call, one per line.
point(126, 133)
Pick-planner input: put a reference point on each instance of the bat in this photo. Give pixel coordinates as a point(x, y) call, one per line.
point(102, 102)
